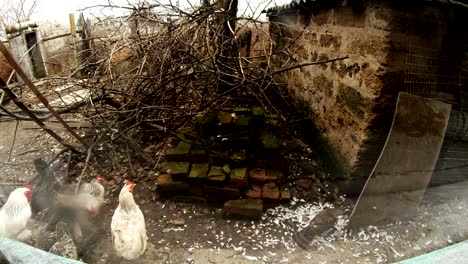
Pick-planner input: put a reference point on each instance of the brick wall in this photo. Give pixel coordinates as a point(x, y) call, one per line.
point(351, 101)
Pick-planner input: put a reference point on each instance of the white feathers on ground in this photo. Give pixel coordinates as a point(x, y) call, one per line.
point(128, 226)
point(15, 214)
point(64, 246)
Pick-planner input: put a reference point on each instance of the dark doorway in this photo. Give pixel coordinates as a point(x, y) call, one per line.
point(39, 70)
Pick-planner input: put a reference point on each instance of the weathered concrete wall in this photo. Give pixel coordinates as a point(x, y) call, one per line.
point(352, 101)
point(58, 52)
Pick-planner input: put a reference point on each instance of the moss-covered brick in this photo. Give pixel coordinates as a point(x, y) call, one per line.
point(209, 119)
point(242, 120)
point(225, 117)
point(216, 176)
point(198, 156)
point(258, 175)
point(197, 189)
point(285, 193)
point(171, 155)
point(251, 208)
point(178, 170)
point(254, 192)
point(227, 169)
point(188, 133)
point(179, 153)
point(274, 176)
point(216, 159)
point(271, 192)
point(238, 178)
point(199, 171)
point(272, 119)
point(242, 111)
point(258, 117)
point(257, 111)
point(270, 140)
point(221, 193)
point(166, 184)
point(239, 156)
point(208, 123)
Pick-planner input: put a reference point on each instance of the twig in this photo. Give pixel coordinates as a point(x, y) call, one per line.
point(307, 64)
point(27, 151)
point(56, 156)
point(159, 156)
point(67, 174)
point(13, 143)
point(10, 183)
point(88, 157)
point(132, 170)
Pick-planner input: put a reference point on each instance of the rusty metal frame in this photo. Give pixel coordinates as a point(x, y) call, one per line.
point(31, 115)
point(39, 95)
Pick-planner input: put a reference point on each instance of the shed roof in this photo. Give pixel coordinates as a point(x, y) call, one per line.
point(308, 4)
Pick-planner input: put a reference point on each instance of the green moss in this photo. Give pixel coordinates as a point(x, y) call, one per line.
point(199, 170)
point(270, 140)
point(176, 169)
point(243, 120)
point(216, 175)
point(353, 99)
point(323, 83)
point(258, 111)
point(224, 117)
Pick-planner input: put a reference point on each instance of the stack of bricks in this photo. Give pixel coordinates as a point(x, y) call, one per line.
point(244, 161)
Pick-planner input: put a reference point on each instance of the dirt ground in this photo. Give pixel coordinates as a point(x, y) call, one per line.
point(192, 231)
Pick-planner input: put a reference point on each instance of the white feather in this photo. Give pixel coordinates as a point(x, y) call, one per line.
point(128, 227)
point(15, 214)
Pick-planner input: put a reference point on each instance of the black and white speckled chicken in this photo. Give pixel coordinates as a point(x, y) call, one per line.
point(64, 246)
point(322, 222)
point(42, 237)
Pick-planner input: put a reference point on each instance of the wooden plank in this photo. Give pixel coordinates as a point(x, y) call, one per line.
point(400, 177)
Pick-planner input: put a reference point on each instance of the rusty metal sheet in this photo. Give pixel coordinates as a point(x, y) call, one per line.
point(400, 177)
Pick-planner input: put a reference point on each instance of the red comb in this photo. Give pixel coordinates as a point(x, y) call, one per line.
point(129, 182)
point(26, 185)
point(100, 178)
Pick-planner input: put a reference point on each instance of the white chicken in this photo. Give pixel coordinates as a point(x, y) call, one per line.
point(128, 226)
point(15, 214)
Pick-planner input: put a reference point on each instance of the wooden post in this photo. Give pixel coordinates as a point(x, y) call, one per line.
point(73, 39)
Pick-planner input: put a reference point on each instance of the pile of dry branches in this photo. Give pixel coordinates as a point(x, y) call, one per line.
point(157, 72)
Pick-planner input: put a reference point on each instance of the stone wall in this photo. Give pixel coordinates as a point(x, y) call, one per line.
point(391, 48)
